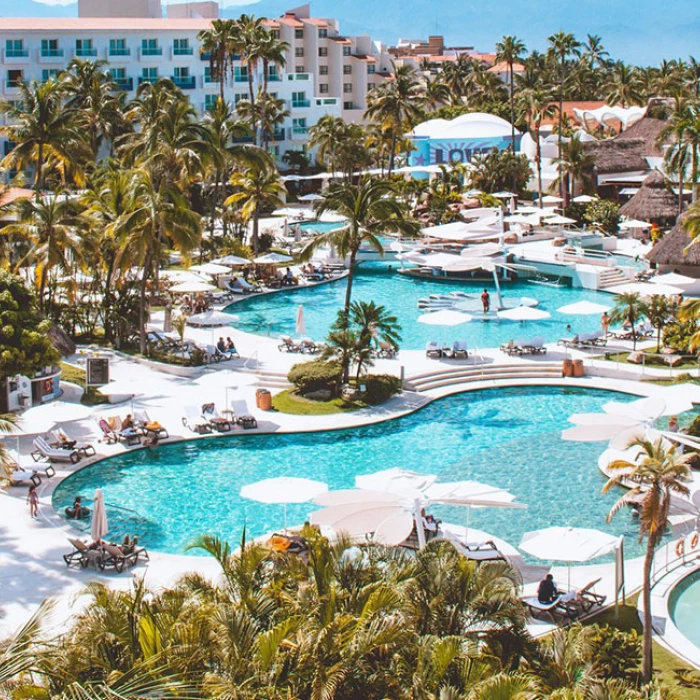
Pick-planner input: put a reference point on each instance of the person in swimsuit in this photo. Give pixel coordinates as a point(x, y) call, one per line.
point(33, 500)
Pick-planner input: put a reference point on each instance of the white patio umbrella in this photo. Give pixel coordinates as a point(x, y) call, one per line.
point(292, 213)
point(568, 544)
point(193, 288)
point(232, 261)
point(211, 268)
point(395, 480)
point(583, 308)
point(178, 276)
point(672, 278)
point(313, 197)
point(635, 223)
point(524, 313)
point(300, 327)
point(584, 199)
point(559, 220)
point(98, 525)
point(211, 318)
point(273, 259)
point(551, 199)
point(41, 419)
point(445, 317)
point(283, 490)
point(505, 195)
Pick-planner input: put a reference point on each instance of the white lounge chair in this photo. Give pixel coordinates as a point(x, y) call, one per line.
point(216, 420)
point(19, 476)
point(433, 349)
point(62, 440)
point(194, 420)
point(459, 349)
point(242, 415)
point(44, 451)
point(147, 424)
point(289, 345)
point(534, 346)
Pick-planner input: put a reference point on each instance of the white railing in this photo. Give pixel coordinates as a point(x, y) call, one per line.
point(675, 554)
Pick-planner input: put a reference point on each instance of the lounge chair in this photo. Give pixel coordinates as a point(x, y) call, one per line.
point(242, 415)
point(216, 421)
point(459, 349)
point(483, 551)
point(535, 346)
point(572, 342)
point(22, 467)
point(240, 286)
point(79, 555)
point(597, 338)
point(116, 557)
point(386, 350)
point(586, 598)
point(540, 610)
point(194, 420)
point(63, 441)
point(44, 452)
point(309, 347)
point(212, 354)
point(108, 434)
point(129, 436)
point(433, 349)
point(511, 348)
point(289, 345)
point(145, 423)
point(22, 477)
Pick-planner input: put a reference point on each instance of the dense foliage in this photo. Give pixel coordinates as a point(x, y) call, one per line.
point(317, 375)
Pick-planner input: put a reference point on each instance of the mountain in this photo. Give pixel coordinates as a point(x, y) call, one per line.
point(641, 31)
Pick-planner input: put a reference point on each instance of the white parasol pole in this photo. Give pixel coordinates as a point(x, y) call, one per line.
point(498, 287)
point(420, 532)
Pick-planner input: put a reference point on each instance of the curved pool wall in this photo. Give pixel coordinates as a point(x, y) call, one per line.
point(275, 314)
point(684, 608)
point(508, 437)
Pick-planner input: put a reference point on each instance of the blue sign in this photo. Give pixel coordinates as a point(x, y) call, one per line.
point(447, 151)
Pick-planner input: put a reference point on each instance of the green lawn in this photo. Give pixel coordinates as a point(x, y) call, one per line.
point(291, 402)
point(667, 666)
point(649, 360)
point(76, 375)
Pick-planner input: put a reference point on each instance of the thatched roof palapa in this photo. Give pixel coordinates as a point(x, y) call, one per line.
point(674, 249)
point(653, 202)
point(646, 130)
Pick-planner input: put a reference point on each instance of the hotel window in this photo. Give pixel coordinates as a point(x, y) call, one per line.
point(299, 52)
point(240, 74)
point(239, 96)
point(346, 50)
point(348, 105)
point(298, 33)
point(118, 74)
point(371, 68)
point(14, 48)
point(149, 47)
point(322, 33)
point(347, 70)
point(323, 88)
point(83, 47)
point(371, 86)
point(275, 33)
point(49, 74)
point(118, 47)
point(207, 75)
point(49, 47)
point(323, 51)
point(347, 87)
point(149, 75)
point(181, 47)
point(210, 101)
point(299, 69)
point(323, 70)
point(14, 78)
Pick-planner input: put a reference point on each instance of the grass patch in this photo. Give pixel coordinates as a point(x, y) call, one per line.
point(290, 402)
point(668, 668)
point(76, 375)
point(649, 360)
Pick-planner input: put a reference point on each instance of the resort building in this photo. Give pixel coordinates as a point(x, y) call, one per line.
point(325, 72)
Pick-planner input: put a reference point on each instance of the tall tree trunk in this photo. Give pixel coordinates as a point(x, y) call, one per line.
point(647, 658)
point(394, 138)
point(512, 124)
point(348, 288)
point(561, 121)
point(251, 93)
point(142, 304)
point(256, 216)
point(39, 175)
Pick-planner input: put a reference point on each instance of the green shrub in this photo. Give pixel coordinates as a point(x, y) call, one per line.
point(379, 388)
point(615, 654)
point(317, 375)
point(604, 213)
point(677, 335)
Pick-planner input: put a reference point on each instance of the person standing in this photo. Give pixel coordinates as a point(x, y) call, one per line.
point(33, 500)
point(605, 323)
point(486, 301)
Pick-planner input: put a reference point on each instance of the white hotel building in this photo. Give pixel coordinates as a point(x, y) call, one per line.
point(325, 73)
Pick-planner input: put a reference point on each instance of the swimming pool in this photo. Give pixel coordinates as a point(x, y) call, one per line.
point(275, 314)
point(684, 606)
point(508, 437)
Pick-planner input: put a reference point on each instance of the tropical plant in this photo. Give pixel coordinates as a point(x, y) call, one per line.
point(510, 50)
point(604, 214)
point(574, 164)
point(220, 42)
point(629, 307)
point(499, 170)
point(657, 474)
point(659, 312)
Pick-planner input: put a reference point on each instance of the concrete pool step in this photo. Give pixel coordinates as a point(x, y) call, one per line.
point(476, 373)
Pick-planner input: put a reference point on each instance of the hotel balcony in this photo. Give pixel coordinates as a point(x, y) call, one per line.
point(151, 54)
point(16, 56)
point(326, 101)
point(279, 135)
point(205, 56)
point(116, 53)
point(51, 56)
point(124, 84)
point(274, 78)
point(300, 104)
point(299, 131)
point(184, 83)
point(240, 78)
point(85, 53)
point(145, 79)
point(12, 87)
point(183, 51)
point(296, 77)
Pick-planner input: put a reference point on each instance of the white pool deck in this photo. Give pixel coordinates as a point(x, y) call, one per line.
point(31, 564)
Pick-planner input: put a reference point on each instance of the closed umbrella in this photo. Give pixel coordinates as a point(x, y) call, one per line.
point(211, 319)
point(524, 313)
point(98, 526)
point(568, 544)
point(284, 490)
point(301, 323)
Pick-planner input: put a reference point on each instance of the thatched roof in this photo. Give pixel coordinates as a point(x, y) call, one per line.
point(61, 341)
point(653, 202)
point(647, 130)
point(616, 156)
point(673, 249)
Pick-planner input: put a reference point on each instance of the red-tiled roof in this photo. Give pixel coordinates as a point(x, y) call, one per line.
point(12, 194)
point(291, 21)
point(502, 67)
point(317, 22)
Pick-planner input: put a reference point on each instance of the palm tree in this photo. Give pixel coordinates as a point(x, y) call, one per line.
point(657, 474)
point(326, 136)
point(371, 209)
point(44, 131)
point(562, 45)
point(691, 222)
point(49, 226)
point(623, 86)
point(8, 424)
point(628, 309)
point(594, 52)
point(658, 311)
point(273, 52)
point(266, 112)
point(159, 215)
point(510, 50)
point(253, 46)
point(220, 42)
point(574, 165)
point(396, 104)
point(537, 106)
point(257, 188)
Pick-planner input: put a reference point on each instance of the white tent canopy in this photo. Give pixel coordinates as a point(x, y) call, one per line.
point(583, 308)
point(568, 544)
point(232, 261)
point(273, 259)
point(524, 313)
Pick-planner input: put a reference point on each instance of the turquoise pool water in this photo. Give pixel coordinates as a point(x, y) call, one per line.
point(275, 314)
point(318, 226)
point(685, 607)
point(507, 437)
